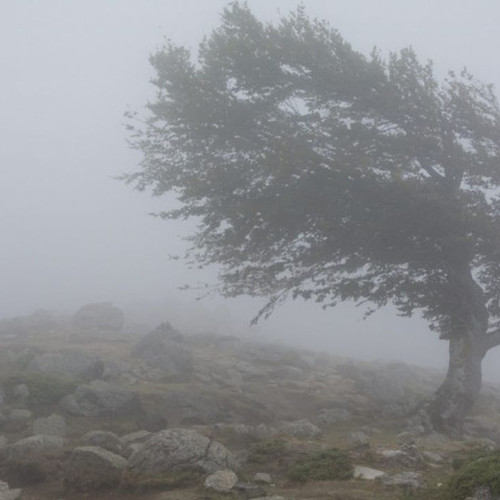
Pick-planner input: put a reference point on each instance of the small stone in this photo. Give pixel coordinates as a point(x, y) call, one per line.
point(409, 479)
point(222, 481)
point(432, 457)
point(262, 478)
point(361, 472)
point(359, 439)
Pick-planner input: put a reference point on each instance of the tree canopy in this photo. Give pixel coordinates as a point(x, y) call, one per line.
point(318, 172)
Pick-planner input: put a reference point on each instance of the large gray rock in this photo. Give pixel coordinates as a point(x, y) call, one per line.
point(18, 420)
point(7, 494)
point(101, 398)
point(33, 446)
point(68, 363)
point(91, 468)
point(100, 316)
point(180, 449)
point(54, 425)
point(163, 349)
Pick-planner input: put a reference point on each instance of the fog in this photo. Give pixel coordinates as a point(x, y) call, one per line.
point(72, 234)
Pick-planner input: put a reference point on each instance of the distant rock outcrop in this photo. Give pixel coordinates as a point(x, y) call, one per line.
point(67, 363)
point(99, 316)
point(163, 348)
point(101, 398)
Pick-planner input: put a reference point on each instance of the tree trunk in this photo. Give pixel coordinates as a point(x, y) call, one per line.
point(468, 344)
point(447, 410)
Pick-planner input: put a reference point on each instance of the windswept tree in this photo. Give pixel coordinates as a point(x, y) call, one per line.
point(319, 173)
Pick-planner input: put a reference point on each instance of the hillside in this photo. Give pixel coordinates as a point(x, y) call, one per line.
point(113, 413)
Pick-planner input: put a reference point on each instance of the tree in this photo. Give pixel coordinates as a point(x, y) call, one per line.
point(316, 172)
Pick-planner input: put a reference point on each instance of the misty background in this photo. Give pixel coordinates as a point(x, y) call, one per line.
point(72, 234)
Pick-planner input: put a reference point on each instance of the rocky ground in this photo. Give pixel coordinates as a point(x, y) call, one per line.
point(89, 410)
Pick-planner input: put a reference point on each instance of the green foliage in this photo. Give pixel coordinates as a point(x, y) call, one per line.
point(317, 172)
point(478, 471)
point(327, 465)
point(267, 450)
point(142, 483)
point(44, 390)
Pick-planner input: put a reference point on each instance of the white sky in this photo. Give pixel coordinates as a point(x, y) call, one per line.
point(71, 234)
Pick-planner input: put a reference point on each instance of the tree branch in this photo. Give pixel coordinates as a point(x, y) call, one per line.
point(492, 339)
point(433, 173)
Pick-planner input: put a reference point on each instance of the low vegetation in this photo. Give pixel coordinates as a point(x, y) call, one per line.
point(43, 390)
point(481, 470)
point(328, 465)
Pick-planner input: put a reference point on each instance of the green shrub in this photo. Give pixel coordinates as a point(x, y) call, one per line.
point(264, 451)
point(327, 465)
point(142, 483)
point(43, 389)
point(474, 473)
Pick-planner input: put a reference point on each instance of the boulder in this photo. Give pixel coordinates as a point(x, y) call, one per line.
point(180, 449)
point(298, 429)
point(67, 363)
point(7, 494)
point(33, 446)
point(100, 398)
point(54, 425)
point(90, 468)
point(164, 349)
point(99, 316)
point(18, 420)
point(138, 437)
point(107, 441)
point(222, 481)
